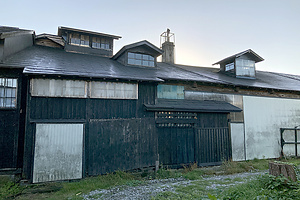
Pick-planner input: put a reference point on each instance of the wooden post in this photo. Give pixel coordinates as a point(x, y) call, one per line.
point(286, 170)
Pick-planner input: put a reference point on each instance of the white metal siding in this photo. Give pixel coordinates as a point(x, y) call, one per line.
point(58, 88)
point(112, 90)
point(237, 141)
point(263, 119)
point(58, 152)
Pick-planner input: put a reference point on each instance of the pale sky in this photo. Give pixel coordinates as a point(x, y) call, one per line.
point(206, 31)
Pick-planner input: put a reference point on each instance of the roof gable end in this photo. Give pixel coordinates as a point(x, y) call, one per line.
point(143, 44)
point(248, 52)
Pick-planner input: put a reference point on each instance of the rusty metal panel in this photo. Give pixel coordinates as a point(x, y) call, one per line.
point(58, 152)
point(237, 141)
point(263, 119)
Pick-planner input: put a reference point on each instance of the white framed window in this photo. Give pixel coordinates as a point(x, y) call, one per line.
point(140, 59)
point(58, 88)
point(245, 68)
point(8, 92)
point(113, 90)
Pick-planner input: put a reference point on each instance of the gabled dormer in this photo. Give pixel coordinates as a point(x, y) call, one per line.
point(13, 40)
point(141, 53)
point(241, 65)
point(88, 42)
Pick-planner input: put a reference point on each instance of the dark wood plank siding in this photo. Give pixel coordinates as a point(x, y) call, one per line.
point(176, 145)
point(111, 108)
point(209, 120)
point(121, 145)
point(105, 120)
point(147, 95)
point(57, 108)
point(213, 145)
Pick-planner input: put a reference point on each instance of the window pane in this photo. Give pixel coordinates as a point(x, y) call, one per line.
point(130, 55)
point(138, 56)
point(1, 91)
point(145, 57)
point(138, 62)
point(8, 88)
point(145, 63)
point(131, 61)
point(2, 81)
point(151, 63)
point(8, 92)
point(151, 58)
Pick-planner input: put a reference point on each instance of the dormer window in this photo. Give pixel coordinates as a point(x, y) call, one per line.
point(92, 42)
point(141, 53)
point(241, 65)
point(140, 59)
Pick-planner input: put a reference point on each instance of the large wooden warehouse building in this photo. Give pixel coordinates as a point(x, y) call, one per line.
point(70, 108)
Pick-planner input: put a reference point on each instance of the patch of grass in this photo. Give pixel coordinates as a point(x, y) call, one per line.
point(230, 167)
point(167, 173)
point(264, 187)
point(197, 190)
point(194, 175)
point(9, 189)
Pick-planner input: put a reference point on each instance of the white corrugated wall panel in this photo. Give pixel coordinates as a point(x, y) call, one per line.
point(237, 141)
point(58, 152)
point(263, 117)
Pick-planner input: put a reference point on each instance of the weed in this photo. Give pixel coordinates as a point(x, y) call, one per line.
point(190, 167)
point(264, 187)
point(9, 189)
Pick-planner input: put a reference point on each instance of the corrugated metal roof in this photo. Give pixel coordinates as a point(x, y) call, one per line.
point(41, 60)
point(184, 105)
point(49, 61)
point(263, 79)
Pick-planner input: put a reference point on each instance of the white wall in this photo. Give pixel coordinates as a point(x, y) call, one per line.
point(263, 119)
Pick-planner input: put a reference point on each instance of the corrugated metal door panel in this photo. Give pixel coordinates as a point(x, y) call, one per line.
point(238, 142)
point(58, 152)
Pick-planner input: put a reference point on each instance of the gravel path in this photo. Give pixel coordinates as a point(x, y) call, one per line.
point(151, 188)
